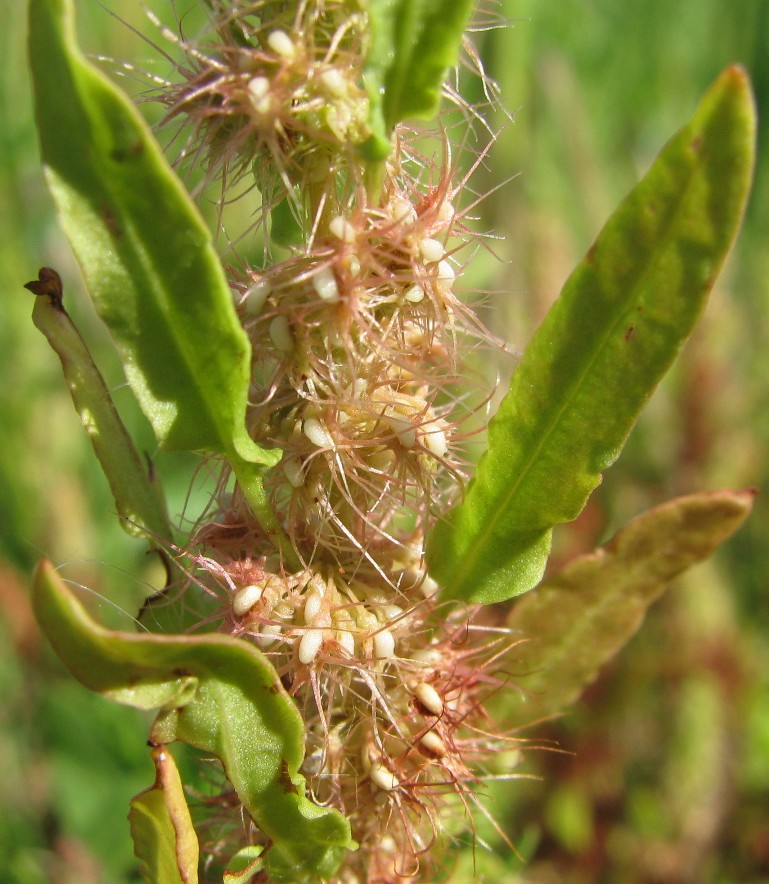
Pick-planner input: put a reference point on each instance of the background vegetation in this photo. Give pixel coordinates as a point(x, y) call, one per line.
point(665, 770)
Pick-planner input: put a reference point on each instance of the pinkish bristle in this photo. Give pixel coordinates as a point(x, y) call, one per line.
point(358, 377)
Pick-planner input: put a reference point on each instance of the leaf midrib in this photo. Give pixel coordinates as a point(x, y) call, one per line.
point(492, 522)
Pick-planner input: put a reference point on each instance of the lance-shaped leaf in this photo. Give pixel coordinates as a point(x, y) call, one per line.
point(147, 258)
point(145, 252)
point(220, 695)
point(412, 43)
point(164, 839)
point(576, 621)
point(595, 360)
point(139, 498)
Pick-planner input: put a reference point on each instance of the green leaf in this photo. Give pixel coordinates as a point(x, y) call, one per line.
point(412, 45)
point(595, 360)
point(146, 255)
point(220, 695)
point(244, 865)
point(576, 621)
point(164, 839)
point(139, 498)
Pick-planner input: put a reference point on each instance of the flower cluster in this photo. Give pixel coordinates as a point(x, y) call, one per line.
point(359, 379)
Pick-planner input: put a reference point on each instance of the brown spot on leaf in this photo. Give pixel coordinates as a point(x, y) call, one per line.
point(630, 332)
point(129, 152)
point(285, 779)
point(110, 222)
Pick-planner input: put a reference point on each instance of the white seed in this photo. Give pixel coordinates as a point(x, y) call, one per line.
point(433, 743)
point(324, 283)
point(346, 642)
point(401, 426)
point(292, 467)
point(427, 656)
point(309, 646)
point(352, 264)
point(446, 276)
point(414, 294)
point(258, 87)
point(383, 778)
point(245, 599)
point(342, 229)
point(254, 298)
point(428, 587)
point(384, 645)
point(281, 44)
point(313, 763)
point(387, 844)
point(402, 210)
point(434, 439)
point(317, 433)
point(269, 634)
point(431, 250)
point(312, 607)
point(392, 612)
point(357, 388)
point(429, 697)
point(335, 82)
point(280, 334)
point(445, 211)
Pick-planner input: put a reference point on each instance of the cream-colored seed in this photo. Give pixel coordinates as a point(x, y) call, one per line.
point(268, 635)
point(281, 44)
point(334, 81)
point(445, 277)
point(433, 743)
point(392, 612)
point(445, 211)
point(258, 87)
point(346, 642)
point(324, 283)
point(312, 607)
point(245, 599)
point(317, 433)
point(353, 265)
point(427, 657)
point(280, 334)
point(310, 645)
point(387, 844)
point(414, 294)
point(384, 645)
point(342, 229)
point(254, 299)
point(434, 439)
point(357, 388)
point(431, 250)
point(428, 587)
point(383, 778)
point(402, 427)
point(292, 467)
point(429, 697)
point(402, 210)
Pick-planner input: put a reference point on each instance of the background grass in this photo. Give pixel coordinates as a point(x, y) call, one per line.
point(665, 776)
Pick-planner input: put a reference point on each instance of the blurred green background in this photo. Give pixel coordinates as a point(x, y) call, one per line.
point(664, 775)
